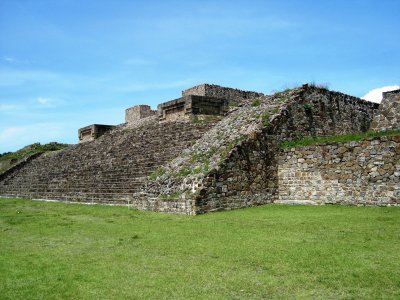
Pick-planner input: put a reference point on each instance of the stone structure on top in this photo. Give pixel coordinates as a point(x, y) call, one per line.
point(388, 117)
point(204, 99)
point(138, 112)
point(92, 132)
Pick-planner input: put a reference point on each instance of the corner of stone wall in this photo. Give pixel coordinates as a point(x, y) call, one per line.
point(388, 117)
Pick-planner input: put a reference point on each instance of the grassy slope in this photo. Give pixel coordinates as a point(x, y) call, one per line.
point(8, 160)
point(58, 251)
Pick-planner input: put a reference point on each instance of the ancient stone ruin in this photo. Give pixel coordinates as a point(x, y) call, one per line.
point(92, 132)
point(138, 112)
point(218, 148)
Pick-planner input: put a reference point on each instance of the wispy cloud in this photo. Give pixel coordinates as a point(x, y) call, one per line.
point(139, 87)
point(13, 60)
point(48, 102)
point(9, 59)
point(12, 78)
point(375, 95)
point(10, 108)
point(14, 138)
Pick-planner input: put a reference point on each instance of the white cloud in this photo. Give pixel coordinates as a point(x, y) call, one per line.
point(9, 59)
point(46, 101)
point(43, 101)
point(375, 95)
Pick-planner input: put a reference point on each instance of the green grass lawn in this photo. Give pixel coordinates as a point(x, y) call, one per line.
point(70, 251)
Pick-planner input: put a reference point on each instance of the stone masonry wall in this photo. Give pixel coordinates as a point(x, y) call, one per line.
point(249, 175)
point(235, 164)
point(216, 91)
point(185, 108)
point(138, 112)
point(92, 132)
point(359, 173)
point(388, 117)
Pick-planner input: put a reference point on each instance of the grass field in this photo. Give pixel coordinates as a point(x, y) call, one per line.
point(70, 251)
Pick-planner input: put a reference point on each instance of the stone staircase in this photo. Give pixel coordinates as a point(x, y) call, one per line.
point(107, 170)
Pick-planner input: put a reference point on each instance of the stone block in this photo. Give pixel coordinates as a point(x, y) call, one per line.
point(92, 132)
point(138, 112)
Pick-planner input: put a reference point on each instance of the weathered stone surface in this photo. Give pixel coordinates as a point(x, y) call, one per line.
point(92, 132)
point(138, 112)
point(188, 106)
point(108, 170)
point(364, 179)
point(388, 117)
point(215, 91)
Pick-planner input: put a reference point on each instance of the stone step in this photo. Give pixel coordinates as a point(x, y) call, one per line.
point(114, 166)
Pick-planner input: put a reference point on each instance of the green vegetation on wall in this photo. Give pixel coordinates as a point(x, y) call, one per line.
point(9, 159)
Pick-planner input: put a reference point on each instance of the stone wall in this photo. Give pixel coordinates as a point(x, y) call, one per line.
point(187, 107)
point(138, 112)
point(388, 117)
point(360, 173)
point(216, 91)
point(172, 110)
point(236, 163)
point(203, 166)
point(92, 132)
point(249, 175)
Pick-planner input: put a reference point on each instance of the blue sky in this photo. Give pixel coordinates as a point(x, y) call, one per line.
point(67, 64)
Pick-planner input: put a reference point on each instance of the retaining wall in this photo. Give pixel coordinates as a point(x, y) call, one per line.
point(359, 173)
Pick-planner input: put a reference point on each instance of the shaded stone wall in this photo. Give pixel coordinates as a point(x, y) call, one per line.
point(245, 178)
point(320, 112)
point(249, 176)
point(360, 173)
